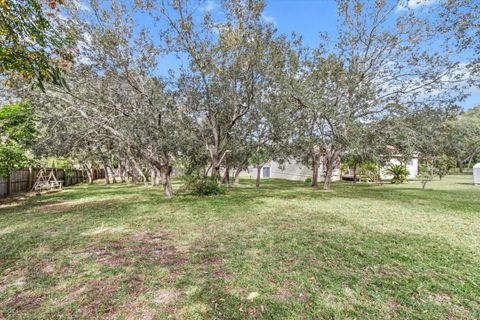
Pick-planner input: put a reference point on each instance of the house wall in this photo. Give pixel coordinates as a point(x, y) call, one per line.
point(296, 171)
point(476, 174)
point(412, 167)
point(289, 171)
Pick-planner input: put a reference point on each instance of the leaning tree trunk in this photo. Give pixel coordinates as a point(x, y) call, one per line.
point(470, 162)
point(236, 175)
point(140, 172)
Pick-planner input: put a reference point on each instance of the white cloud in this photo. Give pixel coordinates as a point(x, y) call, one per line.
point(83, 7)
point(415, 4)
point(209, 6)
point(269, 19)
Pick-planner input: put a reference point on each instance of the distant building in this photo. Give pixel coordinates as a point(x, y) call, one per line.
point(294, 170)
point(412, 167)
point(476, 174)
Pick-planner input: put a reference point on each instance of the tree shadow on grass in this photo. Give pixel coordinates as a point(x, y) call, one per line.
point(297, 268)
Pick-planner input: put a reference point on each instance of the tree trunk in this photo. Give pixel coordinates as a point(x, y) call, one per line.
point(216, 172)
point(140, 172)
point(165, 172)
point(155, 175)
point(236, 176)
point(330, 157)
point(461, 165)
point(152, 176)
point(226, 176)
point(259, 168)
point(121, 171)
point(129, 175)
point(355, 173)
point(89, 175)
point(30, 178)
point(112, 174)
point(315, 165)
point(105, 168)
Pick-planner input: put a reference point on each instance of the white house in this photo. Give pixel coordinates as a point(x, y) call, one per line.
point(289, 170)
point(294, 170)
point(412, 167)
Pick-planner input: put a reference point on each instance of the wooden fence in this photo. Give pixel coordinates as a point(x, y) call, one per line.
point(22, 180)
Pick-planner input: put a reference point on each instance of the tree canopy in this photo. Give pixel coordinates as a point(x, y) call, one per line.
point(389, 82)
point(32, 49)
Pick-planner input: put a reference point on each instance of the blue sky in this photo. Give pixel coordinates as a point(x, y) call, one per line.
point(306, 18)
point(310, 17)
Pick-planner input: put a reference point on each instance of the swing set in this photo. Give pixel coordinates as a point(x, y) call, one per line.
point(47, 182)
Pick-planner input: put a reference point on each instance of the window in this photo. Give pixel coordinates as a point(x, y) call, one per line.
point(266, 172)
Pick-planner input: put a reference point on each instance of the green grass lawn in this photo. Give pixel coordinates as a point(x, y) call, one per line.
point(285, 251)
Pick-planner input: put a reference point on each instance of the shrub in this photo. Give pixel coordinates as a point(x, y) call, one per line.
point(207, 187)
point(308, 180)
point(399, 173)
point(443, 165)
point(369, 170)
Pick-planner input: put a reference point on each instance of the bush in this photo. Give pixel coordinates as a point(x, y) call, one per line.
point(308, 180)
point(443, 165)
point(399, 173)
point(207, 187)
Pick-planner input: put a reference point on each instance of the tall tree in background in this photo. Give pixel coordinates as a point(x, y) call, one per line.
point(117, 92)
point(383, 60)
point(228, 60)
point(465, 137)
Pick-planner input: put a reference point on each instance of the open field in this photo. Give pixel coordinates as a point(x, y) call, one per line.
point(285, 251)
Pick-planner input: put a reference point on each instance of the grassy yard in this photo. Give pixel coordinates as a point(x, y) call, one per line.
point(285, 251)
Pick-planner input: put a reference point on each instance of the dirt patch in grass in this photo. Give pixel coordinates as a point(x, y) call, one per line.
point(73, 296)
point(165, 296)
point(283, 294)
point(98, 298)
point(24, 302)
point(440, 298)
point(132, 249)
point(15, 200)
point(66, 206)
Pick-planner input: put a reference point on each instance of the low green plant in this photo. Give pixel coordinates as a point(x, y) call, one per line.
point(207, 187)
point(443, 165)
point(308, 180)
point(369, 171)
point(399, 173)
